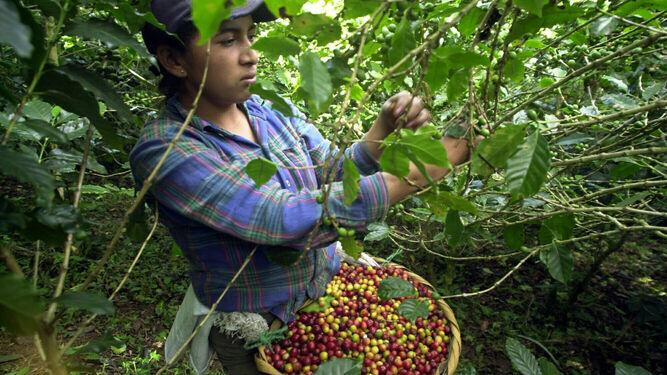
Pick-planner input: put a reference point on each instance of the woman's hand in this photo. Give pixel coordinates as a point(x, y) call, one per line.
point(403, 104)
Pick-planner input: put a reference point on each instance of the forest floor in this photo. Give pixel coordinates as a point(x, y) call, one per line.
point(621, 316)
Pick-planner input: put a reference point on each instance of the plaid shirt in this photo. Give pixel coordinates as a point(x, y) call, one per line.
point(217, 214)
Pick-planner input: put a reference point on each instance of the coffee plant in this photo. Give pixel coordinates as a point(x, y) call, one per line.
point(568, 95)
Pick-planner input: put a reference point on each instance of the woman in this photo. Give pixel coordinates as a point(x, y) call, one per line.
point(216, 213)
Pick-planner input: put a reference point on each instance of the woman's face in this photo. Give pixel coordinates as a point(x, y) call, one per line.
point(232, 65)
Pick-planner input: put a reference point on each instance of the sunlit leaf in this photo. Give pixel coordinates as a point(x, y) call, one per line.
point(492, 153)
point(514, 70)
point(284, 7)
point(315, 81)
point(261, 170)
point(394, 161)
point(274, 46)
point(208, 15)
point(402, 42)
point(532, 6)
point(470, 21)
point(351, 246)
point(360, 8)
point(551, 15)
point(268, 92)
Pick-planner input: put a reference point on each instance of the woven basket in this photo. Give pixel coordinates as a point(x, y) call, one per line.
point(447, 367)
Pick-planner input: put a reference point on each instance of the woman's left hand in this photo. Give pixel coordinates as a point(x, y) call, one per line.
point(392, 110)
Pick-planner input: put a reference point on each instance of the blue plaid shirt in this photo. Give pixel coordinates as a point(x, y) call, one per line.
point(217, 214)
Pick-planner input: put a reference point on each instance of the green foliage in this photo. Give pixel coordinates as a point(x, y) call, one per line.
point(20, 306)
point(351, 179)
point(522, 359)
point(315, 81)
point(395, 287)
point(527, 169)
point(261, 170)
point(412, 309)
point(339, 366)
point(92, 302)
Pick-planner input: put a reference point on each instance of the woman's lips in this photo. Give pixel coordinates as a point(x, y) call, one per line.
point(249, 79)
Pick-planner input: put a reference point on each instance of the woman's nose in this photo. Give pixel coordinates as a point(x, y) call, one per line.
point(249, 55)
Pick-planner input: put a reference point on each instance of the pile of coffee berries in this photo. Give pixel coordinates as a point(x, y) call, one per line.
point(356, 324)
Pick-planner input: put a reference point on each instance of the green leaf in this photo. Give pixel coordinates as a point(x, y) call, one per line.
point(514, 236)
point(456, 202)
point(351, 178)
point(42, 129)
point(494, 151)
point(425, 145)
point(100, 88)
point(394, 161)
point(57, 88)
point(412, 309)
point(562, 225)
point(340, 366)
point(100, 344)
point(631, 6)
point(377, 232)
point(360, 8)
point(26, 169)
point(208, 15)
point(274, 46)
point(532, 6)
point(315, 306)
point(522, 359)
point(514, 70)
point(604, 25)
point(315, 81)
point(470, 21)
point(458, 85)
point(20, 305)
point(107, 32)
point(38, 110)
point(284, 7)
point(453, 228)
point(626, 369)
point(438, 71)
point(324, 28)
point(261, 170)
point(91, 302)
point(527, 169)
point(395, 287)
point(9, 358)
point(547, 367)
point(268, 92)
point(402, 42)
point(559, 262)
point(15, 33)
point(351, 246)
point(551, 15)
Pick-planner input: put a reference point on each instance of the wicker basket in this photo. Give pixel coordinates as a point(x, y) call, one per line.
point(447, 367)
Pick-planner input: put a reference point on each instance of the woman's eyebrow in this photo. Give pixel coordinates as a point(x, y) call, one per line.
point(235, 29)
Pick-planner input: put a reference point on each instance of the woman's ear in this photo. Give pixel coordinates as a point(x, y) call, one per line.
point(171, 60)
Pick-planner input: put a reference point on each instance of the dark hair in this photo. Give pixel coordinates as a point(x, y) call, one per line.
point(155, 37)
